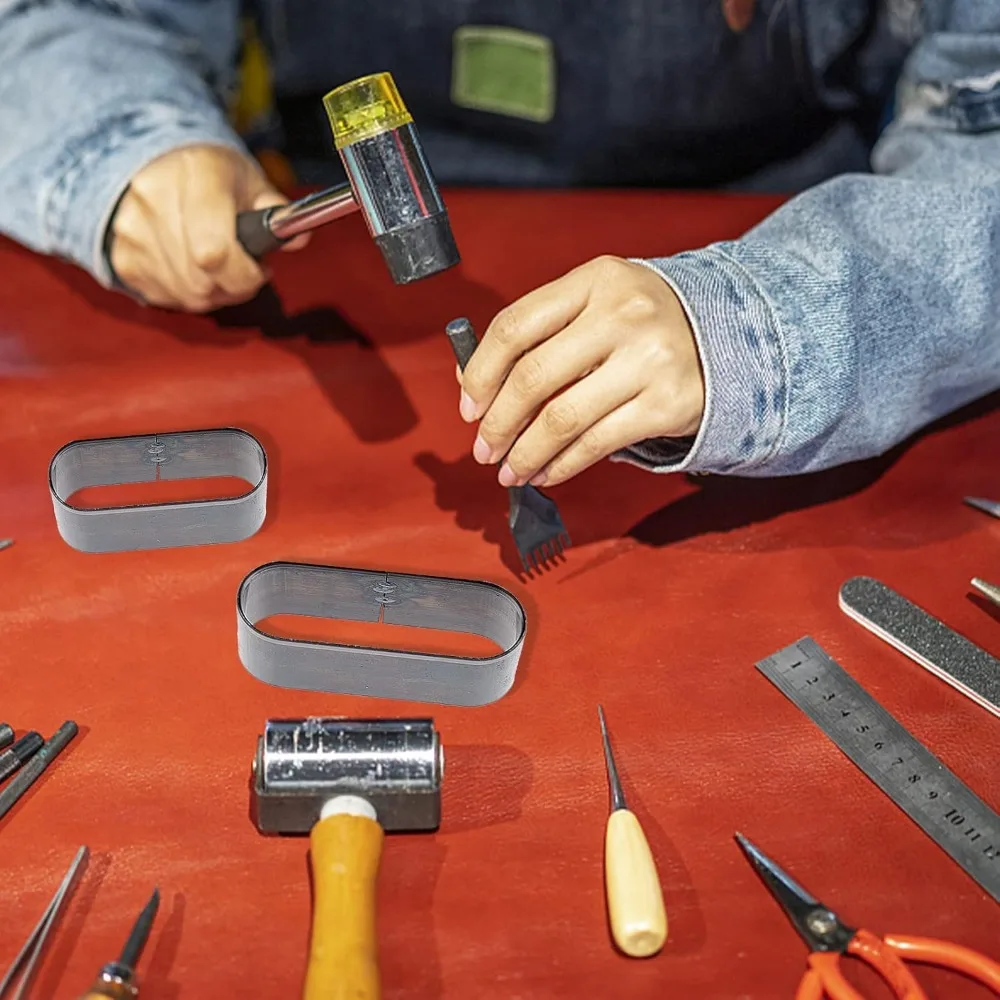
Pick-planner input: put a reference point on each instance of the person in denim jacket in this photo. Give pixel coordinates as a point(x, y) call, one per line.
point(865, 307)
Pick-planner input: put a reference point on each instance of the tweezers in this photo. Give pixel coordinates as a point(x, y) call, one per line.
point(34, 947)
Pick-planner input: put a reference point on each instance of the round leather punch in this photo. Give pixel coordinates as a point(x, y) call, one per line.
point(335, 592)
point(226, 451)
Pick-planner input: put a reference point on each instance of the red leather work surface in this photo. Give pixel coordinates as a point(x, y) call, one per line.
point(674, 588)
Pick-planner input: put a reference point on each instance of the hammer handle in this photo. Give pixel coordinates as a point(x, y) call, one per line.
point(343, 963)
point(255, 235)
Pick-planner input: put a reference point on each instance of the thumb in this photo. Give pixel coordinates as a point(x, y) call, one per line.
point(262, 194)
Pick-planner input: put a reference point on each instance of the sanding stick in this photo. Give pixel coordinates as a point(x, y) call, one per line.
point(925, 639)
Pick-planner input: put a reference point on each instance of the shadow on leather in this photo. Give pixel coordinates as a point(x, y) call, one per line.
point(343, 360)
point(484, 786)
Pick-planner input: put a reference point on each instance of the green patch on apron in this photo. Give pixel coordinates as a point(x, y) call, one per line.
point(505, 71)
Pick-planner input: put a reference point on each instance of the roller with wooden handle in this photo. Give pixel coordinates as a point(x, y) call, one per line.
point(346, 783)
point(635, 899)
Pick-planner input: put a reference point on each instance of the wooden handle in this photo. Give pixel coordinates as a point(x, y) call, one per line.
point(635, 899)
point(345, 851)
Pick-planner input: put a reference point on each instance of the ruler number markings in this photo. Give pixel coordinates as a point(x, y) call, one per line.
point(898, 764)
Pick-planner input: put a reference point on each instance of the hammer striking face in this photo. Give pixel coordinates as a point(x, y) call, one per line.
point(394, 764)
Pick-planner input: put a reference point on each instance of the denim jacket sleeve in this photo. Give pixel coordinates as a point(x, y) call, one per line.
point(124, 82)
point(869, 305)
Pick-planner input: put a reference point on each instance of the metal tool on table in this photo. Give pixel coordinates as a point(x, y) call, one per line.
point(535, 522)
point(6, 543)
point(389, 180)
point(991, 507)
point(635, 898)
point(336, 592)
point(988, 590)
point(146, 458)
point(950, 813)
point(19, 753)
point(829, 939)
point(6, 734)
point(117, 980)
point(924, 639)
point(30, 956)
point(345, 783)
point(32, 771)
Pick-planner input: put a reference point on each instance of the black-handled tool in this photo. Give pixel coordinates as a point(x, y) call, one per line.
point(535, 523)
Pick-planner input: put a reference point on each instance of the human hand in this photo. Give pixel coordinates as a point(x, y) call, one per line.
point(597, 360)
point(175, 229)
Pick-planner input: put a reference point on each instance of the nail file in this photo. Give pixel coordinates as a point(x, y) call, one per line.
point(926, 640)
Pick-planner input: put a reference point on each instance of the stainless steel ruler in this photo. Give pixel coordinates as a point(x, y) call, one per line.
point(947, 810)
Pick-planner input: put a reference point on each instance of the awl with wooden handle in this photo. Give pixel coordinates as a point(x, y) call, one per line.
point(117, 980)
point(635, 899)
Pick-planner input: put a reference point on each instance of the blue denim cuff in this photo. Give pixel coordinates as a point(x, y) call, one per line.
point(743, 361)
point(96, 169)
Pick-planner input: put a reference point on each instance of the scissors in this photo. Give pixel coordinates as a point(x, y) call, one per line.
point(829, 939)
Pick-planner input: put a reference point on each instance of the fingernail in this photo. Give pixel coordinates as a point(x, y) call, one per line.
point(481, 451)
point(506, 476)
point(467, 407)
point(539, 479)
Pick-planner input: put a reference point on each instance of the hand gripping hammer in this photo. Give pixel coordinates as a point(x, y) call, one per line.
point(345, 783)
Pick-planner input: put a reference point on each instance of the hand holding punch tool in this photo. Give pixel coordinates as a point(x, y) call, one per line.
point(829, 939)
point(346, 783)
point(117, 980)
point(635, 899)
point(389, 180)
point(535, 522)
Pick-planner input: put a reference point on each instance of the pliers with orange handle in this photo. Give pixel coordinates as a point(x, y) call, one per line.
point(829, 939)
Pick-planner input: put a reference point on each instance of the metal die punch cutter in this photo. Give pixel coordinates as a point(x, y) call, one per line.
point(442, 603)
point(143, 458)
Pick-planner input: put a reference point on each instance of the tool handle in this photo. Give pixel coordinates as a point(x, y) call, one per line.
point(346, 846)
point(463, 340)
point(635, 899)
point(254, 234)
point(109, 991)
point(947, 955)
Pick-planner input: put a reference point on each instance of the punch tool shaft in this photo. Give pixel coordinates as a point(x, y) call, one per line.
point(117, 980)
point(535, 522)
point(30, 773)
point(635, 899)
point(6, 734)
point(21, 751)
point(29, 958)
